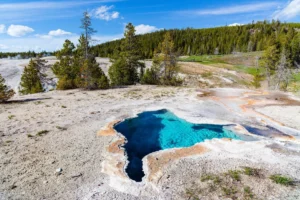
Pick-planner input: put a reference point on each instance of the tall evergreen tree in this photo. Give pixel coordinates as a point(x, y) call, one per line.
point(283, 72)
point(81, 47)
point(92, 75)
point(5, 92)
point(68, 72)
point(164, 69)
point(68, 68)
point(124, 70)
point(169, 57)
point(86, 25)
point(295, 48)
point(79, 69)
point(30, 80)
point(270, 60)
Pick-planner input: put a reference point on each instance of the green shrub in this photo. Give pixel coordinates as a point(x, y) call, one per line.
point(11, 116)
point(5, 92)
point(61, 128)
point(256, 81)
point(282, 180)
point(66, 84)
point(174, 81)
point(229, 191)
point(41, 133)
point(251, 171)
point(234, 174)
point(207, 177)
point(30, 80)
point(150, 77)
point(121, 73)
point(92, 76)
point(248, 194)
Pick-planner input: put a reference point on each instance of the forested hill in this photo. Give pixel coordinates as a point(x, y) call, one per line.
point(222, 40)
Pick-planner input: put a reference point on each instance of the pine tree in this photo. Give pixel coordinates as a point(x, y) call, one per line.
point(92, 76)
point(86, 25)
point(5, 92)
point(270, 60)
point(152, 75)
point(79, 69)
point(67, 69)
point(30, 80)
point(124, 70)
point(168, 60)
point(67, 50)
point(164, 68)
point(283, 72)
point(81, 47)
point(68, 72)
point(295, 47)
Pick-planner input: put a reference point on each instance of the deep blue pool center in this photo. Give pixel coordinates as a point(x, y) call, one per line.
point(159, 130)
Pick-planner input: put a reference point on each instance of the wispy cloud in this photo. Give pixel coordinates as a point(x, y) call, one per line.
point(105, 13)
point(48, 4)
point(43, 10)
point(54, 33)
point(291, 10)
point(246, 8)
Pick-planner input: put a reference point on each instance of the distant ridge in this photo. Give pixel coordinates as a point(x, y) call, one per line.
point(220, 40)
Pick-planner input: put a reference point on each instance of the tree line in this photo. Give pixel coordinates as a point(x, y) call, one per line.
point(221, 40)
point(24, 55)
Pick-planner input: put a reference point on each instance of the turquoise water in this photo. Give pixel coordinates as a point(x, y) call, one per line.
point(159, 130)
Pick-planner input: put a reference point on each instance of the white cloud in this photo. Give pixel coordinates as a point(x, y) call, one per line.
point(59, 32)
point(291, 10)
point(2, 28)
point(51, 44)
point(36, 10)
point(37, 5)
point(104, 13)
point(142, 29)
point(236, 24)
point(246, 8)
point(115, 15)
point(54, 33)
point(18, 30)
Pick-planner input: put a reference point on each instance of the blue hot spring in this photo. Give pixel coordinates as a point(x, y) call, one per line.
point(159, 130)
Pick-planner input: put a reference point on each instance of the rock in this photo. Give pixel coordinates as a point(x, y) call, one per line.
point(58, 171)
point(13, 187)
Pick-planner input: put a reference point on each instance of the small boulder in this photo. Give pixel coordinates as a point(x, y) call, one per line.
point(58, 171)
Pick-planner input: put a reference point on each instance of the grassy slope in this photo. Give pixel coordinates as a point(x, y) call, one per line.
point(241, 62)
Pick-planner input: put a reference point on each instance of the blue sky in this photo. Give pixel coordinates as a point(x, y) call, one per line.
point(44, 25)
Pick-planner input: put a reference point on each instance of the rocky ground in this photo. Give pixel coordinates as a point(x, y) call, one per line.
point(50, 147)
point(57, 145)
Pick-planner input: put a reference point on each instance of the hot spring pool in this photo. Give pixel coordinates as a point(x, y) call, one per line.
point(159, 130)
